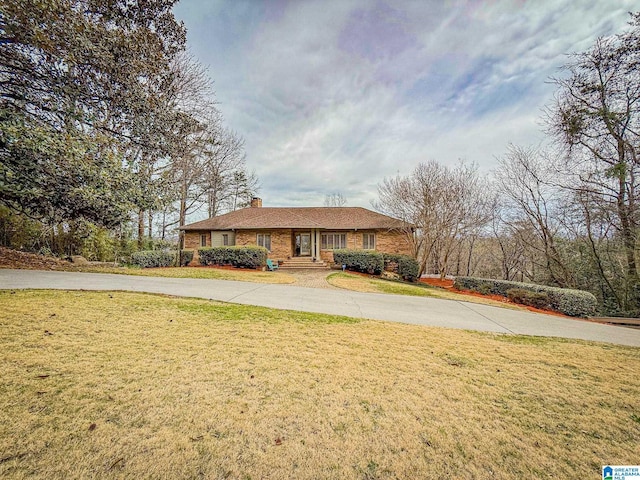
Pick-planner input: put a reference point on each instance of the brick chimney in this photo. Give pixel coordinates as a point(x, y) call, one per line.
point(256, 202)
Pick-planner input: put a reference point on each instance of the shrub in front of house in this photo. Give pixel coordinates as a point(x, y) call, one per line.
point(215, 256)
point(185, 257)
point(250, 257)
point(237, 256)
point(404, 265)
point(153, 258)
point(576, 303)
point(360, 260)
point(391, 261)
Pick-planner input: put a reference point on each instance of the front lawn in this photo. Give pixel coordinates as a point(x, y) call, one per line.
point(364, 283)
point(123, 385)
point(242, 275)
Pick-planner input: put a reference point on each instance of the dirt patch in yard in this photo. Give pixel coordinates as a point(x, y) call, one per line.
point(30, 261)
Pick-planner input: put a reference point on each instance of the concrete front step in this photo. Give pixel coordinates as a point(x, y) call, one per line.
point(302, 263)
point(289, 262)
point(303, 267)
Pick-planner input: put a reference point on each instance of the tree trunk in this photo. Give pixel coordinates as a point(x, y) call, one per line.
point(140, 229)
point(631, 300)
point(182, 215)
point(471, 245)
point(164, 223)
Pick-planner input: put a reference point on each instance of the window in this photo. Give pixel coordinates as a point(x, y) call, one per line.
point(369, 241)
point(225, 239)
point(333, 241)
point(264, 240)
point(203, 240)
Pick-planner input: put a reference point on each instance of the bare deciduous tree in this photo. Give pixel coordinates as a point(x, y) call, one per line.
point(445, 204)
point(595, 119)
point(335, 200)
point(524, 181)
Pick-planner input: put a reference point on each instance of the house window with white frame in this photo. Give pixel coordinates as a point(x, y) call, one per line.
point(333, 241)
point(225, 239)
point(203, 240)
point(264, 240)
point(369, 241)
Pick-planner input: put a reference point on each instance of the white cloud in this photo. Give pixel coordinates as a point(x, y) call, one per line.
point(331, 96)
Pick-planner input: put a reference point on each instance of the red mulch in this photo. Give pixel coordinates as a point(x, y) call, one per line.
point(448, 285)
point(437, 282)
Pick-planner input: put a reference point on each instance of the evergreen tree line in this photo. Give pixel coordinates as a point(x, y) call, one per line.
point(109, 131)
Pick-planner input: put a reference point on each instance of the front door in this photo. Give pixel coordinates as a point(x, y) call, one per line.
point(303, 244)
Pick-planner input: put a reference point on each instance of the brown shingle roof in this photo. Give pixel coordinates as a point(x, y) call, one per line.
point(328, 218)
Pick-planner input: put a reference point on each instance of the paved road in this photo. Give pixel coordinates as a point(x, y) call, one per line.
point(396, 308)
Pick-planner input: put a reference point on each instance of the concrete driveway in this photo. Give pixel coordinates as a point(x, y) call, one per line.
point(395, 308)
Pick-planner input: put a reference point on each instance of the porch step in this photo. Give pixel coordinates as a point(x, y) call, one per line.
point(302, 263)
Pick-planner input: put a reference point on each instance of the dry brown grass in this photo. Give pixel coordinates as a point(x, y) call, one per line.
point(240, 275)
point(359, 283)
point(119, 385)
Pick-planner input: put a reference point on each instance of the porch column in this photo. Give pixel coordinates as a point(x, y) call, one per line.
point(317, 245)
point(313, 243)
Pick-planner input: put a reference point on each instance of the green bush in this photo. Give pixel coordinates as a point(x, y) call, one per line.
point(243, 257)
point(576, 303)
point(404, 265)
point(99, 244)
point(185, 257)
point(360, 260)
point(214, 256)
point(526, 297)
point(391, 261)
point(153, 258)
point(408, 268)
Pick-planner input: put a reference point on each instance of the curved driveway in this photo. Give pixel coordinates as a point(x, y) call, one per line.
point(395, 308)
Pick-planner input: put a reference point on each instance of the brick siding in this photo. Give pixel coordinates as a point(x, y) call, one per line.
point(386, 242)
point(282, 242)
point(192, 242)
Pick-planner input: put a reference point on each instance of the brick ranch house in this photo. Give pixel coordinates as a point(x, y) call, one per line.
point(300, 233)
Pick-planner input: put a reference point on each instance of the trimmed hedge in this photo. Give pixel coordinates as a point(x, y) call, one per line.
point(525, 297)
point(153, 258)
point(360, 260)
point(185, 257)
point(404, 265)
point(160, 258)
point(243, 257)
point(576, 303)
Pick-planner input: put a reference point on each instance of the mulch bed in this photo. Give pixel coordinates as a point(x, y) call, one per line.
point(447, 284)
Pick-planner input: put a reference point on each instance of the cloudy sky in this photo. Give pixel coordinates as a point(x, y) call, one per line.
point(334, 95)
